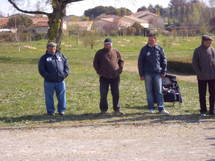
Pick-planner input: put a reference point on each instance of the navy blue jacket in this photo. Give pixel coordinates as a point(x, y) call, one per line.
point(53, 68)
point(152, 60)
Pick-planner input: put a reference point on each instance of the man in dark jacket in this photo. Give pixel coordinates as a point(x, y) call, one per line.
point(152, 66)
point(54, 69)
point(108, 65)
point(204, 66)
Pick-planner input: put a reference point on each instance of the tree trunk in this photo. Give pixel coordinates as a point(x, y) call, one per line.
point(56, 24)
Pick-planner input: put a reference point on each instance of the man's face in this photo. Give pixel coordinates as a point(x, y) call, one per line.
point(207, 43)
point(107, 45)
point(152, 40)
point(51, 49)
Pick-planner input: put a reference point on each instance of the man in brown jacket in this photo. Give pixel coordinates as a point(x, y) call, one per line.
point(108, 65)
point(204, 66)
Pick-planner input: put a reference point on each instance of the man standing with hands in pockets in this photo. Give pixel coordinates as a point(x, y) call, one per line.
point(152, 66)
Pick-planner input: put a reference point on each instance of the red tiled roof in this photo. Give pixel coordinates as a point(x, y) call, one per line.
point(3, 21)
point(80, 23)
point(39, 19)
point(41, 24)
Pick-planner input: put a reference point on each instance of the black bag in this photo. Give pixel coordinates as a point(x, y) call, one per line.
point(171, 90)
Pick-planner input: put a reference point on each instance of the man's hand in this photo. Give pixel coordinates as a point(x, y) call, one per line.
point(142, 78)
point(163, 75)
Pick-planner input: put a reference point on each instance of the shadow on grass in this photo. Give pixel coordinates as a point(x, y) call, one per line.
point(180, 67)
point(91, 119)
point(18, 60)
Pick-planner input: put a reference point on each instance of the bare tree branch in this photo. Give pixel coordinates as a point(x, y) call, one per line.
point(70, 1)
point(25, 11)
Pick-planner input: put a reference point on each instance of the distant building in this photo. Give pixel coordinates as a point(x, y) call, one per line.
point(3, 22)
point(127, 21)
point(106, 23)
point(154, 20)
point(80, 25)
point(8, 30)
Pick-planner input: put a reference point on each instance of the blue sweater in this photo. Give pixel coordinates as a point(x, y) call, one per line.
point(53, 68)
point(152, 60)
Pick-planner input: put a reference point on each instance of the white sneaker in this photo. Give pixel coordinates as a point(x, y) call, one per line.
point(165, 112)
point(151, 111)
point(203, 115)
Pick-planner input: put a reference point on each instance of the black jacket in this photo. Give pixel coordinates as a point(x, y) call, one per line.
point(53, 68)
point(152, 60)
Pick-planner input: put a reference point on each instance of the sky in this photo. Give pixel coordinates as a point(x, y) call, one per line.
point(78, 8)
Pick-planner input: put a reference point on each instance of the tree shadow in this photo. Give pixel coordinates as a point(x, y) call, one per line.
point(210, 139)
point(158, 118)
point(107, 119)
point(137, 107)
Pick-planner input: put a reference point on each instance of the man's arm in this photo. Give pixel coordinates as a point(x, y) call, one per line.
point(120, 61)
point(195, 62)
point(140, 64)
point(163, 63)
point(41, 68)
point(66, 66)
point(96, 63)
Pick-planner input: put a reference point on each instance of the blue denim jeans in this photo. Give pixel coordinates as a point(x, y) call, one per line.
point(60, 89)
point(153, 85)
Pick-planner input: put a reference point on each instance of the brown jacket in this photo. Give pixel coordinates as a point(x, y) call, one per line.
point(108, 63)
point(204, 63)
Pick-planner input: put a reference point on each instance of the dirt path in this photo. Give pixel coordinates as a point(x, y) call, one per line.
point(131, 66)
point(113, 142)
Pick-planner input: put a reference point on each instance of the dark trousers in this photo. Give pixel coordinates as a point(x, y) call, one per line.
point(202, 85)
point(104, 87)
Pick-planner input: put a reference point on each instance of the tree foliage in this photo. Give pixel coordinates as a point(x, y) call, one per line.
point(96, 11)
point(19, 21)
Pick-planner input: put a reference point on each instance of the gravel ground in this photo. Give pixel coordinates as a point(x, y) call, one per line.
point(143, 141)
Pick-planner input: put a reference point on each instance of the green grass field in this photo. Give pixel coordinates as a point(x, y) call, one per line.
point(21, 87)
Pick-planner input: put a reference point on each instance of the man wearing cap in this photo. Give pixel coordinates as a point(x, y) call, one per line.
point(152, 66)
point(108, 65)
point(204, 65)
point(54, 69)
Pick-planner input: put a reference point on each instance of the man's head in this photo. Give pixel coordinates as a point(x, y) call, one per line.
point(152, 39)
point(108, 43)
point(206, 41)
point(51, 47)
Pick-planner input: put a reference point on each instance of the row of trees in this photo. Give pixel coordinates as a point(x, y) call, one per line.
point(94, 12)
point(187, 14)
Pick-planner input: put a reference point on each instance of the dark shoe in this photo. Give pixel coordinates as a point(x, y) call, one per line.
point(211, 113)
point(50, 114)
point(103, 113)
point(117, 113)
point(61, 113)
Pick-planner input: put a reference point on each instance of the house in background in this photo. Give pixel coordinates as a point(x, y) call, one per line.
point(80, 25)
point(112, 23)
point(40, 25)
point(155, 21)
point(3, 26)
point(106, 24)
point(3, 22)
point(128, 21)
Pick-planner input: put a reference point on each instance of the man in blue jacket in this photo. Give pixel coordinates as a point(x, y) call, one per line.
point(152, 66)
point(54, 69)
